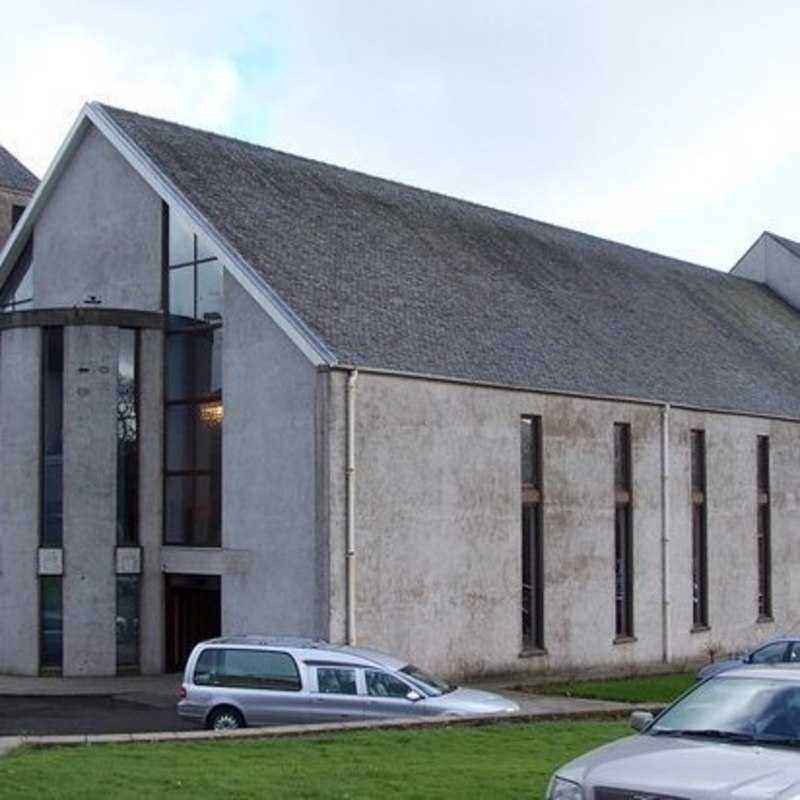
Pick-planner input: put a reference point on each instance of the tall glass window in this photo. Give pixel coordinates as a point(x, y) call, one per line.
point(127, 622)
point(52, 436)
point(193, 391)
point(17, 293)
point(623, 530)
point(699, 532)
point(50, 624)
point(763, 529)
point(532, 524)
point(127, 439)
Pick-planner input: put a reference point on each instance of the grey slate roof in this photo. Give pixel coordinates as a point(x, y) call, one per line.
point(14, 174)
point(394, 277)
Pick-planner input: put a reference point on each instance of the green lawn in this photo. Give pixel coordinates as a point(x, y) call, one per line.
point(499, 761)
point(641, 689)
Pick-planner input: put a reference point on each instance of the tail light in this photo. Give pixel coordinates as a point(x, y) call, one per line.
point(182, 693)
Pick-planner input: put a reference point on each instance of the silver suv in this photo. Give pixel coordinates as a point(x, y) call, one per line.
point(254, 680)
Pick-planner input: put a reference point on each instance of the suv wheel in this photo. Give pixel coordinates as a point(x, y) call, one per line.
point(225, 719)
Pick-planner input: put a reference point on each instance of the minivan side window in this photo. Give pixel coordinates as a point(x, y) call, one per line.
point(334, 680)
point(247, 669)
point(382, 684)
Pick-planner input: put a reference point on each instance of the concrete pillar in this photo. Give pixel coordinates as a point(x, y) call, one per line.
point(19, 500)
point(151, 415)
point(90, 465)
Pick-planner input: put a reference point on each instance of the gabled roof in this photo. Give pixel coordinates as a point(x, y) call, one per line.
point(15, 175)
point(366, 272)
point(398, 278)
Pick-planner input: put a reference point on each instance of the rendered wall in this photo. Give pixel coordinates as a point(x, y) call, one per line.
point(19, 500)
point(273, 569)
point(99, 234)
point(438, 527)
point(90, 461)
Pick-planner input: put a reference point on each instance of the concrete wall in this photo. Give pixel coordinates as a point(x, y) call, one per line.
point(99, 234)
point(438, 527)
point(151, 500)
point(90, 468)
point(769, 262)
point(19, 500)
point(269, 480)
point(731, 526)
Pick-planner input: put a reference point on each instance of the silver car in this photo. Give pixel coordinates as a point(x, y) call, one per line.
point(233, 682)
point(785, 650)
point(735, 736)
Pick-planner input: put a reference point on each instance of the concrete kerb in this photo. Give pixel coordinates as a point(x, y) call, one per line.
point(286, 731)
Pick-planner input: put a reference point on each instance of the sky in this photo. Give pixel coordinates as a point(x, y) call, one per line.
point(673, 126)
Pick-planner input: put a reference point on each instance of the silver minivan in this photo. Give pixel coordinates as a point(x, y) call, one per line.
point(232, 682)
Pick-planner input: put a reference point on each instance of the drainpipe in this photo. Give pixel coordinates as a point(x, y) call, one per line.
point(350, 476)
point(666, 623)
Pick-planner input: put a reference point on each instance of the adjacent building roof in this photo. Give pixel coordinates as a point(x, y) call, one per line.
point(15, 175)
point(398, 278)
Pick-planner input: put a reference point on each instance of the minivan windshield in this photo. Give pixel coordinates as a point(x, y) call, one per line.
point(428, 684)
point(746, 710)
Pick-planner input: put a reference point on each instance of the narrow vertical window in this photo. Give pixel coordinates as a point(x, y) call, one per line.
point(17, 292)
point(623, 531)
point(50, 624)
point(763, 529)
point(532, 544)
point(127, 623)
point(699, 532)
point(16, 215)
point(52, 438)
point(193, 414)
point(127, 439)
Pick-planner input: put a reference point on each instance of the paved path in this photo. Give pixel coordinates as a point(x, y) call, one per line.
point(87, 709)
point(164, 685)
point(544, 705)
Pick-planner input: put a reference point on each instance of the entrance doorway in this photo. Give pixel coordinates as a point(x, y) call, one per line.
point(192, 613)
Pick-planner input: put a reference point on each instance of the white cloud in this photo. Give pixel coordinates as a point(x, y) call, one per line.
point(57, 71)
point(635, 121)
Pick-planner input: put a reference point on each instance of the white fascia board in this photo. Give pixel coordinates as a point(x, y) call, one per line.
point(283, 316)
point(13, 247)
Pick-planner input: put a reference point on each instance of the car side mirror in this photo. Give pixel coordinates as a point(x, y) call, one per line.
point(640, 720)
point(413, 696)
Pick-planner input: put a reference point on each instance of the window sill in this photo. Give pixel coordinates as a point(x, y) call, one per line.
point(765, 620)
point(625, 640)
point(533, 652)
point(700, 628)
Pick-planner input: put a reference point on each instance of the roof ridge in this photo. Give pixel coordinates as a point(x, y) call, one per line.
point(431, 192)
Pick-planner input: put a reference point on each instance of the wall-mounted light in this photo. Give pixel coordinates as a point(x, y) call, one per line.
point(212, 413)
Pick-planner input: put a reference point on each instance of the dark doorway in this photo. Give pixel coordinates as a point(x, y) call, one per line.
point(192, 614)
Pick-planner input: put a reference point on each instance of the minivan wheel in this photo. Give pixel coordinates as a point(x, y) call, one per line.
point(225, 719)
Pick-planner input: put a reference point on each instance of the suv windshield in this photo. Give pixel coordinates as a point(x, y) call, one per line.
point(739, 709)
point(428, 684)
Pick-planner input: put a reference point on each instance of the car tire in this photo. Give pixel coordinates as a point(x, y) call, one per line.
point(225, 718)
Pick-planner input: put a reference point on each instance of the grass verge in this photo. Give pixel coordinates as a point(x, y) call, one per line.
point(641, 689)
point(506, 760)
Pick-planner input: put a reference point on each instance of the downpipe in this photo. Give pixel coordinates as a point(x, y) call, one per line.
point(350, 483)
point(666, 621)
